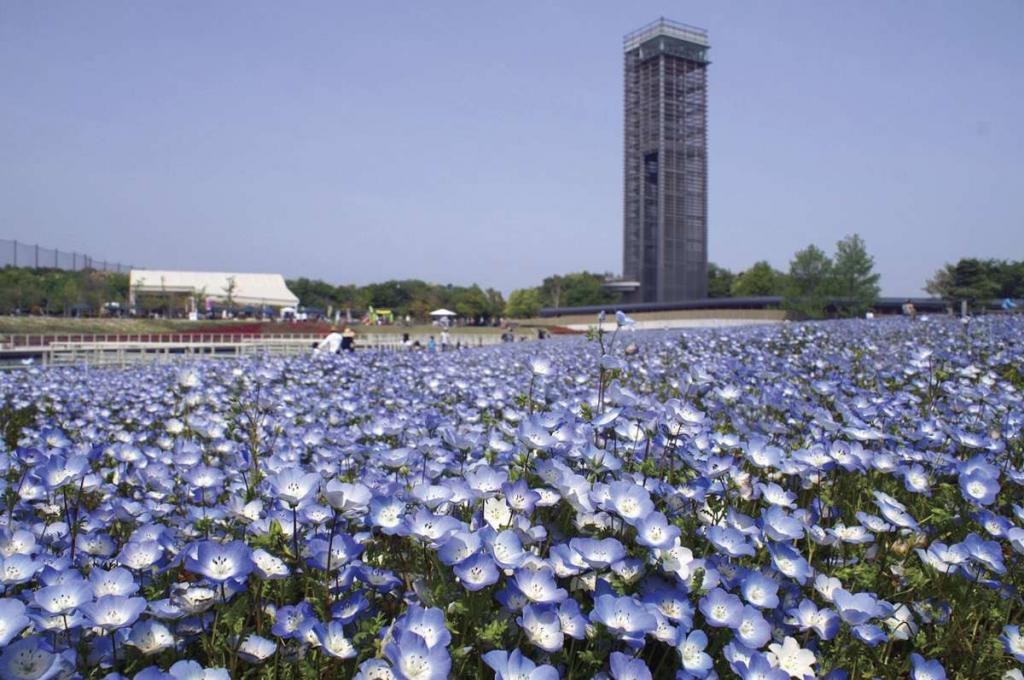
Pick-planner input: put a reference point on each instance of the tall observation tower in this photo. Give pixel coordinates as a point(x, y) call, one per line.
point(666, 200)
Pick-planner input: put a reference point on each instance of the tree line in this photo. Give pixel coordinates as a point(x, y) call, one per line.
point(978, 280)
point(813, 280)
point(56, 291)
point(405, 297)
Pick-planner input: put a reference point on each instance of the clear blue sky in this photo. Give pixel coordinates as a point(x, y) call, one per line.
point(481, 141)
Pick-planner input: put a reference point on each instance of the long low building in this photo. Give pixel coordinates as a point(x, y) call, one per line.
point(884, 305)
point(263, 290)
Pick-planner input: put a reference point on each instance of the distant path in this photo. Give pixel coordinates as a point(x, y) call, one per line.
point(669, 324)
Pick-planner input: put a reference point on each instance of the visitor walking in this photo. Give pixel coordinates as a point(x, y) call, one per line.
point(348, 340)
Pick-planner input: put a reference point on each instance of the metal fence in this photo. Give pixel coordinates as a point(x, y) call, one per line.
point(18, 254)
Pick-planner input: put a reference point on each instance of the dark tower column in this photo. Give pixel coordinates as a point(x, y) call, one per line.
point(665, 188)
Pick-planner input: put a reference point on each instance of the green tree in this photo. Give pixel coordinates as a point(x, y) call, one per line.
point(809, 282)
point(229, 293)
point(523, 303)
point(314, 292)
point(758, 281)
point(720, 281)
point(578, 289)
point(853, 276)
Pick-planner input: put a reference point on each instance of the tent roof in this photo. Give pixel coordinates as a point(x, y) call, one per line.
point(443, 312)
point(250, 289)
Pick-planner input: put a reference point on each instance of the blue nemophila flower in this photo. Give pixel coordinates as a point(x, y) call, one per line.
point(140, 555)
point(979, 487)
point(760, 590)
point(758, 667)
point(349, 610)
point(853, 535)
point(432, 495)
point(778, 526)
point(721, 609)
point(515, 666)
point(33, 658)
point(790, 563)
point(997, 526)
point(1016, 538)
point(629, 501)
point(598, 553)
point(12, 619)
point(752, 630)
point(333, 641)
point(625, 667)
point(293, 486)
point(63, 597)
point(542, 627)
point(432, 528)
point(388, 514)
point(485, 480)
point(925, 669)
point(192, 670)
point(792, 658)
point(894, 511)
point(412, 659)
point(944, 558)
point(1013, 642)
point(428, 623)
point(859, 608)
point(117, 581)
point(150, 637)
point(566, 561)
point(541, 366)
point(112, 612)
point(459, 546)
point(221, 562)
point(571, 619)
point(476, 572)
point(343, 549)
point(383, 580)
point(507, 549)
point(511, 597)
point(18, 569)
point(807, 616)
point(291, 620)
point(869, 634)
point(900, 623)
point(987, 553)
point(350, 499)
point(654, 531)
point(917, 480)
point(269, 566)
point(96, 544)
point(256, 649)
point(691, 647)
point(670, 600)
point(624, 616)
point(375, 669)
point(729, 541)
point(535, 436)
point(539, 585)
point(774, 494)
point(520, 497)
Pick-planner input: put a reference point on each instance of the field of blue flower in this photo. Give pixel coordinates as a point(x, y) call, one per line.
point(836, 500)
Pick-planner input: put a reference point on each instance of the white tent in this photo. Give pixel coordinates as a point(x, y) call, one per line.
point(245, 289)
point(443, 312)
